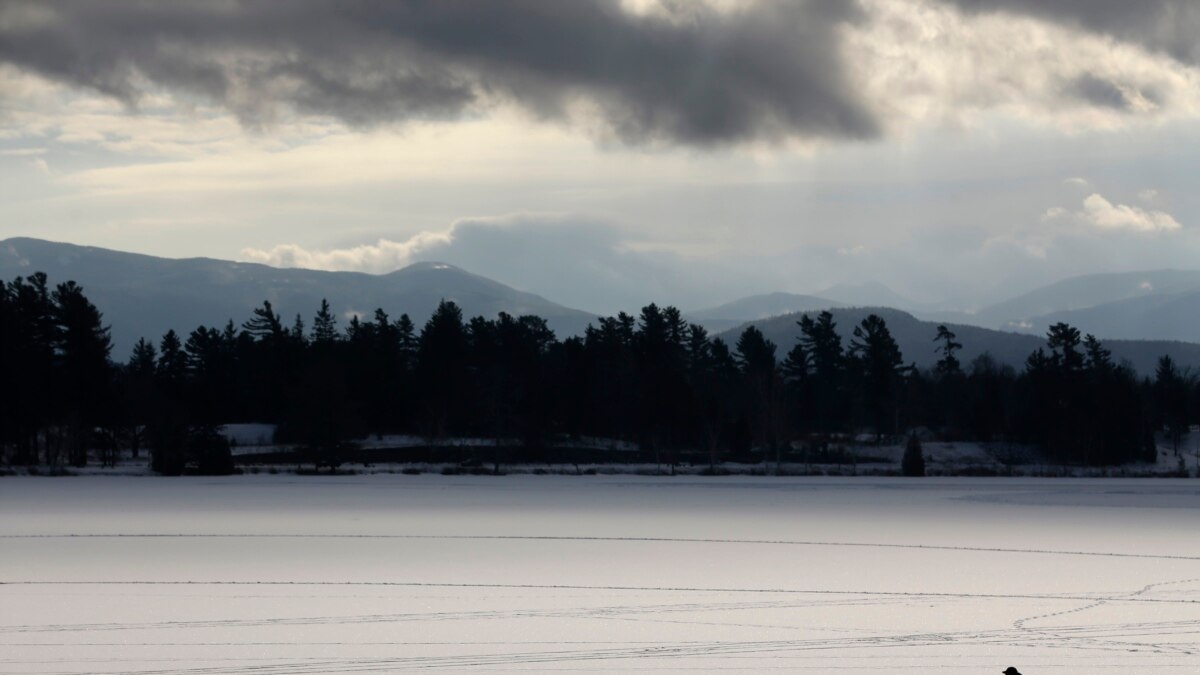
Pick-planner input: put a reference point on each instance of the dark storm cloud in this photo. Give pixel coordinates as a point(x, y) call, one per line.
point(1169, 26)
point(686, 75)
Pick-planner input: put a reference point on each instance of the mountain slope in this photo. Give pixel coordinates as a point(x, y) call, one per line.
point(915, 338)
point(1089, 291)
point(1171, 316)
point(751, 308)
point(868, 294)
point(144, 296)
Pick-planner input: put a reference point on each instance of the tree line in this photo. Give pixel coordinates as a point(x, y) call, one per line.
point(653, 379)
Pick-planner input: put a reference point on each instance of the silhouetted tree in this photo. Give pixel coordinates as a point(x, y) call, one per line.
point(324, 328)
point(824, 348)
point(756, 355)
point(878, 361)
point(138, 395)
point(442, 378)
point(265, 324)
point(1170, 392)
point(650, 378)
point(948, 364)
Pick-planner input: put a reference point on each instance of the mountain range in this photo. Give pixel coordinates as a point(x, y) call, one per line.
point(1156, 304)
point(916, 340)
point(1149, 305)
point(144, 296)
point(1140, 316)
point(732, 314)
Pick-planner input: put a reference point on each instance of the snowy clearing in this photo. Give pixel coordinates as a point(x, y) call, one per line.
point(383, 573)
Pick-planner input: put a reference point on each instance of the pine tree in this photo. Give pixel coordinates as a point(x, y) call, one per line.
point(823, 346)
point(1064, 341)
point(265, 325)
point(756, 356)
point(83, 346)
point(172, 360)
point(443, 380)
point(881, 365)
point(948, 364)
point(139, 393)
point(1099, 359)
point(699, 349)
point(324, 329)
point(297, 332)
point(142, 360)
point(27, 354)
point(1170, 392)
point(167, 430)
point(795, 365)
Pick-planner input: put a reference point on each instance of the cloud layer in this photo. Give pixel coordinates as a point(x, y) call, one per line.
point(1100, 213)
point(682, 73)
point(1169, 26)
point(645, 73)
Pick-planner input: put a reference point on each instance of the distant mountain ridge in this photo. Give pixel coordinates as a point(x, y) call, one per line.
point(1172, 316)
point(1084, 292)
point(915, 339)
point(1139, 315)
point(867, 294)
point(726, 316)
point(144, 296)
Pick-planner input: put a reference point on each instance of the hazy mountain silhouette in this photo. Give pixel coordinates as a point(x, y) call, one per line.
point(1114, 297)
point(144, 296)
point(1137, 314)
point(868, 294)
point(915, 339)
point(1170, 316)
point(754, 307)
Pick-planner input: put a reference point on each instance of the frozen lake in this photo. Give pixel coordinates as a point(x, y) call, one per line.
point(285, 574)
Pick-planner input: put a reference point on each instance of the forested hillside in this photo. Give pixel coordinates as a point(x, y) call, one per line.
point(652, 379)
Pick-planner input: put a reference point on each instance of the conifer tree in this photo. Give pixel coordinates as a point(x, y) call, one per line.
point(879, 362)
point(823, 346)
point(948, 364)
point(324, 328)
point(265, 324)
point(172, 360)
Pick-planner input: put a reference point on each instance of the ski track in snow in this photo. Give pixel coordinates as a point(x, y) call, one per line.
point(73, 602)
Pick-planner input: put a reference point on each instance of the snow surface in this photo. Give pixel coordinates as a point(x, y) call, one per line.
point(283, 574)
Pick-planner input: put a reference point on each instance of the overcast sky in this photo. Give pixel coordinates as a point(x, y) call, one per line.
point(606, 153)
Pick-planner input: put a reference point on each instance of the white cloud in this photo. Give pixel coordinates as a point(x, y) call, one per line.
point(578, 261)
point(382, 256)
point(1103, 214)
point(1148, 195)
point(1077, 181)
point(1098, 212)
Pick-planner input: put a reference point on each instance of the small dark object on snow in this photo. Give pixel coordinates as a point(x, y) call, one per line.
point(1011, 671)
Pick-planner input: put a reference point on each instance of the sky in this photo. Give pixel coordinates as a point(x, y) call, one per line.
point(606, 153)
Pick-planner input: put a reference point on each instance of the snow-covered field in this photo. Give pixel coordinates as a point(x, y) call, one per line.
point(284, 574)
